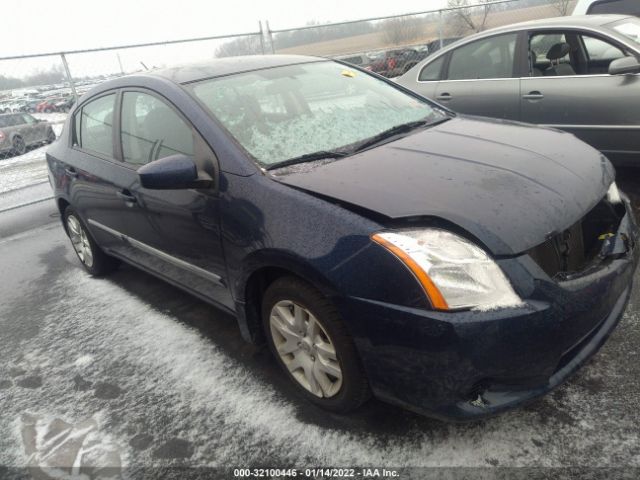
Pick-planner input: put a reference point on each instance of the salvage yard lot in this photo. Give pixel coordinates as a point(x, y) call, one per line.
point(131, 373)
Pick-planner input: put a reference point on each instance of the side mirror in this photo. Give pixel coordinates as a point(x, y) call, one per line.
point(172, 173)
point(624, 66)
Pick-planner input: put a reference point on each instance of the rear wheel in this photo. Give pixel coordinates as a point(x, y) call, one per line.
point(51, 136)
point(310, 342)
point(94, 260)
point(19, 147)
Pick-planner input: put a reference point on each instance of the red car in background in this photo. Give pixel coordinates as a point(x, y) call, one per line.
point(48, 105)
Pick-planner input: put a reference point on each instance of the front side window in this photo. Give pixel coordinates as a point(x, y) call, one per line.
point(283, 113)
point(28, 119)
point(96, 125)
point(598, 50)
point(488, 58)
point(152, 130)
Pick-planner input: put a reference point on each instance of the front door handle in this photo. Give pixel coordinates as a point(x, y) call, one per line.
point(71, 172)
point(535, 95)
point(126, 196)
point(444, 97)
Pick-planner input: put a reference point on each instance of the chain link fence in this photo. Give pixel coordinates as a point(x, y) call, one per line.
point(392, 45)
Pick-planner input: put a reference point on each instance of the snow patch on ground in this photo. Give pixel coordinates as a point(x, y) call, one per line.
point(83, 361)
point(28, 169)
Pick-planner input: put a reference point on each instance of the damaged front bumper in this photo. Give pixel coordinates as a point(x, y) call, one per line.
point(467, 365)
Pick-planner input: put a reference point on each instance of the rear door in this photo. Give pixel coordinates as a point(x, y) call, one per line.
point(601, 109)
point(482, 78)
point(180, 234)
point(99, 183)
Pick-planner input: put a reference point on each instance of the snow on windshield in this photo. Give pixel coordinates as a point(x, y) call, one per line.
point(282, 113)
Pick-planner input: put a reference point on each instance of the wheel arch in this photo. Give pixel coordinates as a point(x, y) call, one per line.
point(261, 271)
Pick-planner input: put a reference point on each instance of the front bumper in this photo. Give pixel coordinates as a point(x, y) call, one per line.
point(466, 365)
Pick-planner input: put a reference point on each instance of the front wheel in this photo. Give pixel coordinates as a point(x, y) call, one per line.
point(310, 342)
point(94, 260)
point(51, 136)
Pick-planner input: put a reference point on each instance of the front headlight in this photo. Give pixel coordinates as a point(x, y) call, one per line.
point(613, 194)
point(453, 272)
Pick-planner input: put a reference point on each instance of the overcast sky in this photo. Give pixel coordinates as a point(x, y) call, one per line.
point(74, 24)
point(52, 26)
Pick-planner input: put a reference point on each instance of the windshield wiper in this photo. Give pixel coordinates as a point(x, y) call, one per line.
point(393, 131)
point(309, 157)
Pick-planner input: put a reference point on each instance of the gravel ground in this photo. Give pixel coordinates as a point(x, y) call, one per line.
point(132, 374)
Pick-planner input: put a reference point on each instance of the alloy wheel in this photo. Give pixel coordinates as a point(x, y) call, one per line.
point(80, 241)
point(305, 348)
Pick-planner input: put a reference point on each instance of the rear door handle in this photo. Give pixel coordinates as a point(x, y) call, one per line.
point(126, 196)
point(444, 97)
point(535, 95)
point(71, 172)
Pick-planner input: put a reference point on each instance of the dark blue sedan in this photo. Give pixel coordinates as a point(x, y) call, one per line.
point(377, 242)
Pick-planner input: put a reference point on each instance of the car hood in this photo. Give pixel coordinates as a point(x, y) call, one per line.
point(508, 184)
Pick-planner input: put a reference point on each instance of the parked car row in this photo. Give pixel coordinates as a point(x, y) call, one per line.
point(39, 105)
point(395, 62)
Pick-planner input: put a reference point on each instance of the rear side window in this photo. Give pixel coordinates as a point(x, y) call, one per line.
point(96, 125)
point(15, 120)
point(432, 71)
point(152, 130)
point(488, 58)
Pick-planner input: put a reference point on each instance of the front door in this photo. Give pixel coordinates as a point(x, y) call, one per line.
point(180, 235)
point(575, 92)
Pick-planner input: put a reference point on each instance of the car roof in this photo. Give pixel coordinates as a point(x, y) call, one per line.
point(229, 65)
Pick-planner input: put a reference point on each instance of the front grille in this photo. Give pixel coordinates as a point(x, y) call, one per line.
point(576, 248)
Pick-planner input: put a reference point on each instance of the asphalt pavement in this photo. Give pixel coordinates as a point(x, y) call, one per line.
point(129, 377)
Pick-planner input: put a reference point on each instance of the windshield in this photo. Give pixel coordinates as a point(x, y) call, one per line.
point(283, 113)
point(629, 27)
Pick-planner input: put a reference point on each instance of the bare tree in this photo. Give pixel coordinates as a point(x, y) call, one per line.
point(240, 46)
point(471, 15)
point(401, 30)
point(562, 6)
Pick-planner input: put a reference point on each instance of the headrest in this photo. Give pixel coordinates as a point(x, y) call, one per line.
point(558, 51)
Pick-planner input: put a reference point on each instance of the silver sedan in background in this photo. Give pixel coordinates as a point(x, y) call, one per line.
point(579, 74)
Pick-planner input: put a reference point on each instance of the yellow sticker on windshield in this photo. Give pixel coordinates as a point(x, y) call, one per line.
point(349, 73)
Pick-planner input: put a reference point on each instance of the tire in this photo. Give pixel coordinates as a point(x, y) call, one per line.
point(93, 259)
point(51, 136)
point(48, 110)
point(323, 365)
point(19, 147)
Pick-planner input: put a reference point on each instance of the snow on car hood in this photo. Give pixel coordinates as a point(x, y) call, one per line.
point(508, 184)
